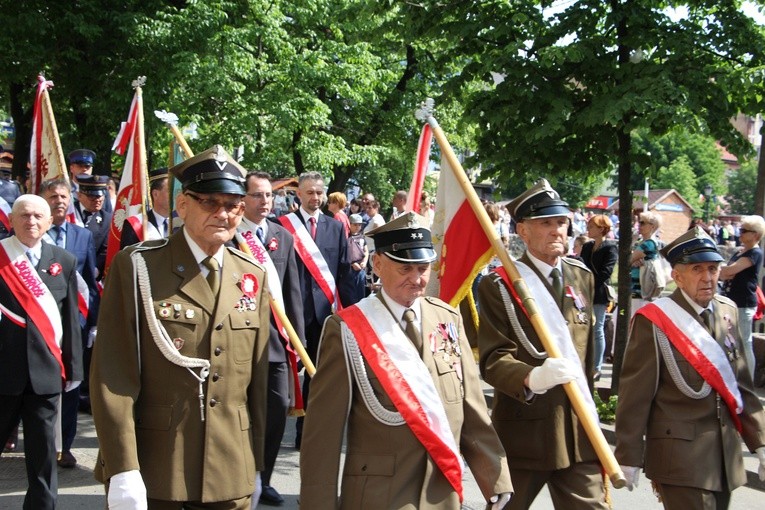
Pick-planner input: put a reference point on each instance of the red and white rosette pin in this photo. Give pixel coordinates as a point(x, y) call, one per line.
point(273, 244)
point(54, 269)
point(249, 285)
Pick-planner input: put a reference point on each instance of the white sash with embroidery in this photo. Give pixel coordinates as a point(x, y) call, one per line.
point(248, 238)
point(556, 324)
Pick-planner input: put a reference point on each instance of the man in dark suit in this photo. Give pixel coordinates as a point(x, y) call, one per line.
point(686, 398)
point(39, 341)
point(79, 242)
point(158, 215)
point(261, 237)
point(322, 249)
point(195, 398)
point(89, 211)
point(535, 421)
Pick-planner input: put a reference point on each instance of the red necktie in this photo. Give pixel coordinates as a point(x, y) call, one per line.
point(313, 227)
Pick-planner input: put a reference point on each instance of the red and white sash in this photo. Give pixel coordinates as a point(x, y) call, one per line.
point(555, 322)
point(32, 294)
point(249, 243)
point(311, 256)
point(698, 347)
point(407, 381)
point(83, 295)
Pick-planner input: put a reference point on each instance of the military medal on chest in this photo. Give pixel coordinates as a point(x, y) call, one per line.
point(731, 351)
point(580, 303)
point(249, 286)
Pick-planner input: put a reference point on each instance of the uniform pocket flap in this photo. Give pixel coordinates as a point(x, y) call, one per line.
point(370, 465)
point(154, 417)
point(443, 366)
point(244, 320)
point(672, 429)
point(244, 418)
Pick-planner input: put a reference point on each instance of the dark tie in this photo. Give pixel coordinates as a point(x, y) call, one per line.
point(557, 285)
point(313, 227)
point(411, 329)
point(262, 236)
point(706, 316)
point(213, 277)
point(164, 228)
point(59, 235)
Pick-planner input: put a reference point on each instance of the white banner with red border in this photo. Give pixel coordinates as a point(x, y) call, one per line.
point(407, 382)
point(699, 348)
point(32, 294)
point(309, 253)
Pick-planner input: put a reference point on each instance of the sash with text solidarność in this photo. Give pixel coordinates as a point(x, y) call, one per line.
point(32, 294)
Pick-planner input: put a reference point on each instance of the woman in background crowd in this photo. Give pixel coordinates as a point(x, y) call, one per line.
point(336, 203)
point(647, 249)
point(600, 256)
point(740, 280)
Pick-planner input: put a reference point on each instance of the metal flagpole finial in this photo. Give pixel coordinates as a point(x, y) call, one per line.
point(167, 117)
point(425, 111)
point(139, 82)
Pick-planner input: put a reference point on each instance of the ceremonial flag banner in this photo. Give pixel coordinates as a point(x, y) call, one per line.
point(460, 243)
point(132, 190)
point(46, 159)
point(5, 214)
point(420, 169)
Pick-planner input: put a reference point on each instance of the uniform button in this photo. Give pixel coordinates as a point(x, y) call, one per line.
point(669, 431)
point(215, 376)
point(218, 350)
point(364, 467)
point(218, 327)
point(213, 402)
point(247, 321)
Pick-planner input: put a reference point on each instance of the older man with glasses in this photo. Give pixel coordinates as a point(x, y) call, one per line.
point(178, 378)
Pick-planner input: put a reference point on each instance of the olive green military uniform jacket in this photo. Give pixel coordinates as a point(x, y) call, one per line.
point(542, 432)
point(386, 467)
point(681, 440)
point(147, 409)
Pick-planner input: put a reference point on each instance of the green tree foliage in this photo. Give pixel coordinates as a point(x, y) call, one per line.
point(741, 188)
point(699, 154)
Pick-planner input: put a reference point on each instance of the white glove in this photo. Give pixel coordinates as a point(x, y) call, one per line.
point(71, 385)
point(761, 455)
point(554, 371)
point(127, 491)
point(498, 501)
point(258, 490)
point(632, 475)
point(92, 337)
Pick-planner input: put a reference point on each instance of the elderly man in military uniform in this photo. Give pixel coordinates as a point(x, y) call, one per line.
point(534, 419)
point(178, 377)
point(396, 373)
point(685, 397)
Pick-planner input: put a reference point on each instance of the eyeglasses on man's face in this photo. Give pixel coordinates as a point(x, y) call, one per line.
point(213, 205)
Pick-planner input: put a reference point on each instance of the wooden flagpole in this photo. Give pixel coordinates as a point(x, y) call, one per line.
point(591, 427)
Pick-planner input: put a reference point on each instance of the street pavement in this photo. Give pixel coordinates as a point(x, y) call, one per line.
point(78, 490)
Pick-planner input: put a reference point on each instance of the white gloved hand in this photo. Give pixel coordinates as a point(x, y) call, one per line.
point(632, 475)
point(127, 491)
point(554, 371)
point(761, 455)
point(258, 490)
point(498, 501)
point(92, 337)
point(71, 385)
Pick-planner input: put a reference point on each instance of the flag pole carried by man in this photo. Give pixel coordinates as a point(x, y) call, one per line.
point(589, 423)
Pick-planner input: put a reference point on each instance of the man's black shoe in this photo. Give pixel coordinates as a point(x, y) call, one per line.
point(269, 496)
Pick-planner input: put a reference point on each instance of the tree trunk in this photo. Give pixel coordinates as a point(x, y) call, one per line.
point(22, 122)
